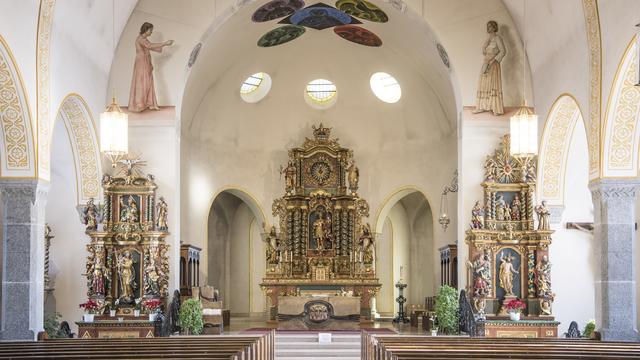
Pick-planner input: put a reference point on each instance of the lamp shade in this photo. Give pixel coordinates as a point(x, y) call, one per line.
point(114, 131)
point(524, 133)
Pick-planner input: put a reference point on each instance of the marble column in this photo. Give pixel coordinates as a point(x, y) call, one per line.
point(614, 233)
point(22, 299)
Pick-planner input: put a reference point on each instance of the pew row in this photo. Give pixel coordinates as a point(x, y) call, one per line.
point(235, 347)
point(398, 347)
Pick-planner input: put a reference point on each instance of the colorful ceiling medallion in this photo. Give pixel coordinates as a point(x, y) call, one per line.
point(362, 9)
point(281, 35)
point(358, 35)
point(276, 9)
point(319, 17)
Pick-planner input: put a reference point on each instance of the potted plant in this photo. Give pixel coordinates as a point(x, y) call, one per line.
point(90, 307)
point(589, 328)
point(515, 307)
point(446, 309)
point(152, 307)
point(112, 308)
point(137, 307)
point(191, 316)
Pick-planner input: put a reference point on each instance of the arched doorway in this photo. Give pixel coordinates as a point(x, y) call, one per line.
point(405, 240)
point(235, 252)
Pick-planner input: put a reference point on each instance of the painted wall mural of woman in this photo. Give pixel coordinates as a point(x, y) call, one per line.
point(143, 94)
point(489, 94)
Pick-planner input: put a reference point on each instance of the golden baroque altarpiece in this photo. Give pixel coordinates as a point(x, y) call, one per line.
point(323, 243)
point(127, 254)
point(508, 256)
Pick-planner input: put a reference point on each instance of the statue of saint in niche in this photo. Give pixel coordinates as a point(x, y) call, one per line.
point(143, 94)
point(127, 276)
point(321, 231)
point(489, 93)
point(129, 212)
point(506, 274)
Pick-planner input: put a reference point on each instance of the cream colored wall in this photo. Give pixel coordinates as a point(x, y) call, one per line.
point(571, 252)
point(68, 248)
point(401, 251)
point(385, 265)
point(238, 296)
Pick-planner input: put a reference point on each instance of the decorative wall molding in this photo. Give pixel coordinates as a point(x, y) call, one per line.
point(17, 157)
point(592, 21)
point(554, 152)
point(621, 130)
point(84, 142)
point(43, 44)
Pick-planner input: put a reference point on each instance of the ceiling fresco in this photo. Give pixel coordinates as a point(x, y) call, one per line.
point(297, 18)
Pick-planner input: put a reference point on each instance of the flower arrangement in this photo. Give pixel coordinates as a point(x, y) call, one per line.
point(151, 305)
point(515, 306)
point(90, 306)
point(138, 305)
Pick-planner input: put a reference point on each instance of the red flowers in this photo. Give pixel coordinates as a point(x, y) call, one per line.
point(90, 306)
point(515, 305)
point(151, 304)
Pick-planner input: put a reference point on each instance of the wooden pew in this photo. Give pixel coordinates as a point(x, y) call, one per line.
point(383, 347)
point(236, 347)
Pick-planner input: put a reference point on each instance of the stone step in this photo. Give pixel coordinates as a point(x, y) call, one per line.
point(310, 345)
point(320, 353)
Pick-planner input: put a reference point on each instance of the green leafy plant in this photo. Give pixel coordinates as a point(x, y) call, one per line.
point(52, 324)
point(446, 309)
point(191, 316)
point(589, 328)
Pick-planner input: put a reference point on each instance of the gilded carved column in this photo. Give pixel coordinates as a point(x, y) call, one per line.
point(23, 207)
point(615, 287)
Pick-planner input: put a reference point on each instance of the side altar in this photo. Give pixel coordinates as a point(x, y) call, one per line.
point(127, 262)
point(508, 254)
point(323, 247)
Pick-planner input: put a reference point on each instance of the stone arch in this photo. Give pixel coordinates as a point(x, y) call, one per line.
point(554, 148)
point(81, 129)
point(391, 199)
point(621, 130)
point(18, 152)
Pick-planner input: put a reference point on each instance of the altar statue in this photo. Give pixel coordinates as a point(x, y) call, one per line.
point(515, 208)
point(506, 274)
point(322, 231)
point(477, 216)
point(543, 216)
point(127, 276)
point(97, 282)
point(90, 215)
point(367, 247)
point(129, 211)
point(161, 211)
point(272, 246)
point(543, 277)
point(353, 176)
point(481, 268)
point(151, 278)
point(289, 175)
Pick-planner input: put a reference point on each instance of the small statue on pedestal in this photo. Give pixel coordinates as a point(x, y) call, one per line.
point(90, 216)
point(543, 216)
point(353, 177)
point(272, 246)
point(500, 208)
point(515, 208)
point(367, 247)
point(481, 267)
point(289, 176)
point(543, 282)
point(161, 211)
point(477, 216)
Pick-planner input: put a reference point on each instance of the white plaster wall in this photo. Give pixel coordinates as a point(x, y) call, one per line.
point(571, 252)
point(239, 295)
point(156, 143)
point(385, 265)
point(68, 248)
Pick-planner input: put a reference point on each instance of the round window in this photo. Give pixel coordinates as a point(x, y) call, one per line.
point(255, 87)
point(321, 93)
point(385, 87)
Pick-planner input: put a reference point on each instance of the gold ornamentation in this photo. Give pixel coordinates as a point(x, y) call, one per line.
point(555, 145)
point(14, 114)
point(76, 116)
point(43, 44)
point(621, 116)
point(592, 21)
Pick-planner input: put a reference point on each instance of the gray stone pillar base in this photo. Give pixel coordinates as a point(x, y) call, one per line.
point(615, 286)
point(23, 206)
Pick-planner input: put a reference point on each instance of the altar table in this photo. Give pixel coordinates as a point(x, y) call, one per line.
point(521, 329)
point(105, 329)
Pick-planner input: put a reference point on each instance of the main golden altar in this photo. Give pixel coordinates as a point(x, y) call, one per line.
point(323, 246)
